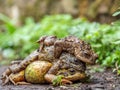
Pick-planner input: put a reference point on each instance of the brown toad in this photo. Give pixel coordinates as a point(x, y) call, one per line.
point(50, 48)
point(70, 44)
point(67, 65)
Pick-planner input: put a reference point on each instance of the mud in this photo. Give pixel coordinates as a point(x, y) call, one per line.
point(106, 80)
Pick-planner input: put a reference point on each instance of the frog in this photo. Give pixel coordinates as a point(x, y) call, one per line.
point(15, 78)
point(68, 66)
point(46, 51)
point(71, 44)
point(81, 49)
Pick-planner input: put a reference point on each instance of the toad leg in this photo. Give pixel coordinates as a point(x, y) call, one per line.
point(18, 78)
point(58, 48)
point(18, 83)
point(5, 80)
point(23, 83)
point(23, 64)
point(81, 57)
point(51, 75)
point(5, 76)
point(15, 62)
point(41, 42)
point(76, 76)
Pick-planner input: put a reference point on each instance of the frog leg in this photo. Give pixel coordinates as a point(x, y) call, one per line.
point(5, 80)
point(12, 80)
point(80, 56)
point(41, 39)
point(15, 62)
point(66, 81)
point(41, 47)
point(41, 42)
point(18, 83)
point(18, 78)
point(24, 63)
point(76, 76)
point(5, 76)
point(51, 75)
point(58, 48)
point(23, 83)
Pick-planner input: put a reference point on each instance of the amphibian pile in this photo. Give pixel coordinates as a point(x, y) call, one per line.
point(64, 59)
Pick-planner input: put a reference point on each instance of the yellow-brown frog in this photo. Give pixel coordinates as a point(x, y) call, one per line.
point(63, 54)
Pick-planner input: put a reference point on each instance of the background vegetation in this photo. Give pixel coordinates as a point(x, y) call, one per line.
point(18, 41)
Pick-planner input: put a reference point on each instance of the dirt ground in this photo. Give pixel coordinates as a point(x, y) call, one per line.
point(99, 81)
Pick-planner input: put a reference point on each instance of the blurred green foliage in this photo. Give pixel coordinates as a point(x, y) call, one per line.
point(105, 39)
point(17, 42)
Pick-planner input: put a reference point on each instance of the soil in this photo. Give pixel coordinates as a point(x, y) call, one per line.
point(106, 80)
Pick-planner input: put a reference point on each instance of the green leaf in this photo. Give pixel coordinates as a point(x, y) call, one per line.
point(116, 13)
point(9, 24)
point(116, 42)
point(57, 80)
point(118, 72)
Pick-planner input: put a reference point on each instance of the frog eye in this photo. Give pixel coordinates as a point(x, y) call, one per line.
point(86, 53)
point(72, 70)
point(88, 47)
point(38, 50)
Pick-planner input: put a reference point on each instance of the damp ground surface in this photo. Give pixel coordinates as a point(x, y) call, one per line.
point(106, 80)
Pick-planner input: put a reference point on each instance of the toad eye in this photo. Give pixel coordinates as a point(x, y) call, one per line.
point(38, 50)
point(71, 70)
point(86, 53)
point(88, 47)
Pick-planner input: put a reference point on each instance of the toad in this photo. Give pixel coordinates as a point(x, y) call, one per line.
point(62, 53)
